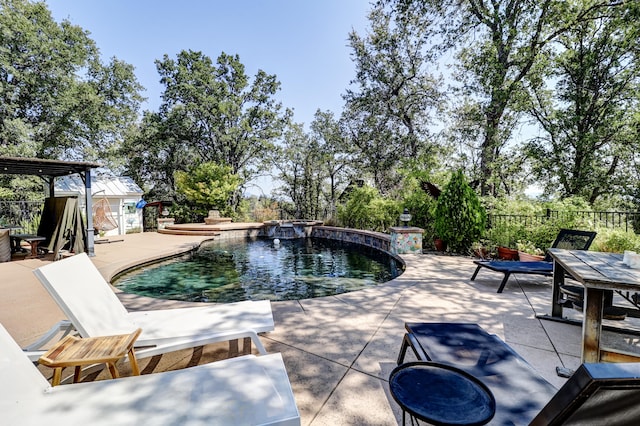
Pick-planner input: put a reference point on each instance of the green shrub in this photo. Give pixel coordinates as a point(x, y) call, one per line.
point(185, 212)
point(460, 219)
point(366, 209)
point(384, 214)
point(615, 241)
point(539, 230)
point(529, 247)
point(421, 206)
point(208, 186)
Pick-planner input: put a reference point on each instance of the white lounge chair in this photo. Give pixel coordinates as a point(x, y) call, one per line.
point(246, 390)
point(91, 305)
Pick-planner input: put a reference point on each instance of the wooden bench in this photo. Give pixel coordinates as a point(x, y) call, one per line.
point(520, 392)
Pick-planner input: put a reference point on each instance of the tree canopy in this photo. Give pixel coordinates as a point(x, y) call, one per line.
point(389, 110)
point(210, 113)
point(208, 186)
point(57, 99)
point(589, 142)
point(498, 47)
point(509, 91)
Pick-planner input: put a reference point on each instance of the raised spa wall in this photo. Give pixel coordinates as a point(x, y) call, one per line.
point(377, 240)
point(407, 240)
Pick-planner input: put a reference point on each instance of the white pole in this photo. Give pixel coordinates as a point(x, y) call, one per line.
point(89, 209)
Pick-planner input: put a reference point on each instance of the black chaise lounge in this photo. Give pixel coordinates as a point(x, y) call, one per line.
point(568, 239)
point(520, 392)
point(596, 394)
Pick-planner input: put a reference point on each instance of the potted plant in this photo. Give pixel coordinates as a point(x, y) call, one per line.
point(528, 252)
point(479, 249)
point(501, 236)
point(506, 253)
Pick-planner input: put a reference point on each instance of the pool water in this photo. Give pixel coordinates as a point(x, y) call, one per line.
point(235, 270)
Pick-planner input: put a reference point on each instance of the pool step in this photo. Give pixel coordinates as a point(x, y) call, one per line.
point(182, 231)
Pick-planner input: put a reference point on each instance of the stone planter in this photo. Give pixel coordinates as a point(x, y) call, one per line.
point(526, 257)
point(506, 253)
point(406, 239)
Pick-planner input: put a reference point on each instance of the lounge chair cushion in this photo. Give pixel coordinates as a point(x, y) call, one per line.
point(520, 391)
point(5, 246)
point(245, 390)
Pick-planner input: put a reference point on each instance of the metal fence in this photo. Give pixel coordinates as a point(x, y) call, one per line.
point(505, 228)
point(629, 221)
point(23, 215)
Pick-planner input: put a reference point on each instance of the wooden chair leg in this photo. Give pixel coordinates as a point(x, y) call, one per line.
point(233, 348)
point(113, 370)
point(76, 374)
point(135, 369)
point(57, 374)
point(246, 346)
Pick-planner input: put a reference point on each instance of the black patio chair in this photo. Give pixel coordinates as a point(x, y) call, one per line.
point(595, 394)
point(568, 239)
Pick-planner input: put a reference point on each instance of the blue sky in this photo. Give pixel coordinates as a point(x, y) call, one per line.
point(302, 42)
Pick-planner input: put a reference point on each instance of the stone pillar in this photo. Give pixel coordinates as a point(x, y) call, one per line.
point(406, 239)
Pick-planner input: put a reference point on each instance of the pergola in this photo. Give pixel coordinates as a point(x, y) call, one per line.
point(49, 170)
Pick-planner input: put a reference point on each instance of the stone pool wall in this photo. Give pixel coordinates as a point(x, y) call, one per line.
point(376, 240)
point(240, 233)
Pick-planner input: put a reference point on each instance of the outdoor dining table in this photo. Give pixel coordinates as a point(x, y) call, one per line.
point(598, 273)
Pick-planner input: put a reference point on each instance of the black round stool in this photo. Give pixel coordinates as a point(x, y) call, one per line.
point(441, 394)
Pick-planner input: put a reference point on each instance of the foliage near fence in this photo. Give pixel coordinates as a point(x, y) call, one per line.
point(23, 214)
point(459, 216)
point(617, 231)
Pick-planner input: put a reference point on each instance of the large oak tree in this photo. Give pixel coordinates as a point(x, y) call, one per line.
point(497, 45)
point(57, 99)
point(390, 103)
point(589, 144)
point(211, 112)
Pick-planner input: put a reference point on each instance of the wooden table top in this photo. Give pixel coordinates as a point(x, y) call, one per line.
point(598, 269)
point(73, 351)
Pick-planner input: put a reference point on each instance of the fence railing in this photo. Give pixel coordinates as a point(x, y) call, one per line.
point(499, 226)
point(629, 221)
point(25, 215)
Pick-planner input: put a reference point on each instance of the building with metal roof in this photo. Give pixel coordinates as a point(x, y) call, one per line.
point(114, 200)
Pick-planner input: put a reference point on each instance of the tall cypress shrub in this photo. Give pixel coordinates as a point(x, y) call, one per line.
point(460, 219)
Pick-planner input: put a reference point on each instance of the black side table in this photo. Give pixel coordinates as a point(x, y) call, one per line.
point(441, 394)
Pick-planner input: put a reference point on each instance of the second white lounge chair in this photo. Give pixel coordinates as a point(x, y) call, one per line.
point(93, 308)
point(245, 390)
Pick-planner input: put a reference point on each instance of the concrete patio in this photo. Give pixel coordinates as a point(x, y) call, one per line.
point(338, 350)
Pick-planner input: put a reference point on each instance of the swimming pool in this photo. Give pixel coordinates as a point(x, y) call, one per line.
point(258, 269)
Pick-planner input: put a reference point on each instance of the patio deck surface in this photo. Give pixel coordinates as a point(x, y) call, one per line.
point(338, 350)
